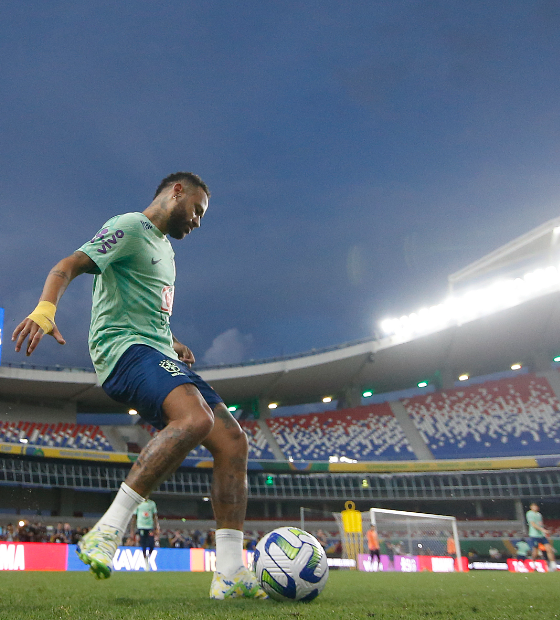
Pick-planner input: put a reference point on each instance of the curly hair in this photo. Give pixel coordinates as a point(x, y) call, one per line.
point(189, 177)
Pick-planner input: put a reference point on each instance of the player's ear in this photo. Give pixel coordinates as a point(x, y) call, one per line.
point(177, 188)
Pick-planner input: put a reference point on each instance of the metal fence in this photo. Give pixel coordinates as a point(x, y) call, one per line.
point(514, 484)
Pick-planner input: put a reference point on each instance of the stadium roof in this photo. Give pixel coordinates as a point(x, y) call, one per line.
point(423, 347)
point(489, 344)
point(540, 242)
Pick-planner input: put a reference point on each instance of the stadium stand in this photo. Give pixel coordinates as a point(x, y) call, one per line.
point(259, 448)
point(513, 417)
point(369, 432)
point(80, 436)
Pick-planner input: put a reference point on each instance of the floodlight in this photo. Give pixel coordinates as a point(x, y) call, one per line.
point(367, 394)
point(422, 384)
point(132, 412)
point(273, 405)
point(232, 408)
point(21, 523)
point(515, 366)
point(24, 440)
point(556, 359)
point(463, 377)
point(327, 399)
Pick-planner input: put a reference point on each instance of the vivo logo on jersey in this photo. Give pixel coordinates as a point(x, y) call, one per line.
point(167, 294)
point(109, 241)
point(125, 559)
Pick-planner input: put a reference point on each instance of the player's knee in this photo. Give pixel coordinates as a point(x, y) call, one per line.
point(241, 442)
point(204, 422)
point(199, 422)
point(231, 439)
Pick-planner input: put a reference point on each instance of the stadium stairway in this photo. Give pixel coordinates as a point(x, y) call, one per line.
point(272, 443)
point(418, 445)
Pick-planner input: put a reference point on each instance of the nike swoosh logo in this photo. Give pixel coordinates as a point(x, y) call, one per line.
point(155, 261)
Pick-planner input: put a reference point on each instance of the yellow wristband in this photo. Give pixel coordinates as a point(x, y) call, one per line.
point(43, 315)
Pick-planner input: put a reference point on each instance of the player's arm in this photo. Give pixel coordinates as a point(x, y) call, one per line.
point(184, 353)
point(41, 320)
point(156, 527)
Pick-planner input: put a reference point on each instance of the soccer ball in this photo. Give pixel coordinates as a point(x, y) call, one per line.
point(291, 565)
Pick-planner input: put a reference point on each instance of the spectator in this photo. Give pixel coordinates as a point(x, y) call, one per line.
point(494, 553)
point(11, 535)
point(322, 538)
point(178, 540)
point(196, 537)
point(67, 533)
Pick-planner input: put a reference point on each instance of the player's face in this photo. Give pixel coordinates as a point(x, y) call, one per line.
point(187, 213)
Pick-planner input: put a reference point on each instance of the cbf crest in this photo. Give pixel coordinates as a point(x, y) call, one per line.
point(171, 368)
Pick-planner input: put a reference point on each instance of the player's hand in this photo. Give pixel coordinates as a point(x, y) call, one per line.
point(184, 353)
point(29, 329)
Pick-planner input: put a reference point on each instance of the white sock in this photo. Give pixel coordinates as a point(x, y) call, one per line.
point(120, 511)
point(229, 551)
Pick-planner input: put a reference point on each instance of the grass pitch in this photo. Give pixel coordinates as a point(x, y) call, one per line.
point(348, 595)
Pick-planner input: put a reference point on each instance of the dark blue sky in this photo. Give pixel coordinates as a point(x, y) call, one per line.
point(357, 153)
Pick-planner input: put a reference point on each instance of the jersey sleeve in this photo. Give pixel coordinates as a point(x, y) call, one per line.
point(117, 239)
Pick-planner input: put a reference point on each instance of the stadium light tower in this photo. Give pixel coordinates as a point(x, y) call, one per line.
point(500, 291)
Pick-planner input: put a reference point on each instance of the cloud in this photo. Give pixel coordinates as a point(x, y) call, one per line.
point(229, 347)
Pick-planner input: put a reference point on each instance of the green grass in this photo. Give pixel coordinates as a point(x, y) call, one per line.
point(184, 596)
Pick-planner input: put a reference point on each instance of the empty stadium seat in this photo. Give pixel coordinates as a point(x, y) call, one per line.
point(61, 435)
point(368, 433)
point(510, 417)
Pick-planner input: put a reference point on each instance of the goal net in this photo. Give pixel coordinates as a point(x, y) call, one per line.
point(403, 538)
point(416, 533)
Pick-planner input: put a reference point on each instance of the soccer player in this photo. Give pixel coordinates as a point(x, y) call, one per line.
point(145, 521)
point(139, 362)
point(522, 550)
point(451, 549)
point(373, 545)
point(539, 535)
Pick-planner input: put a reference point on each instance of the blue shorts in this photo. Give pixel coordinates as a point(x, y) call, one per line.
point(539, 540)
point(143, 377)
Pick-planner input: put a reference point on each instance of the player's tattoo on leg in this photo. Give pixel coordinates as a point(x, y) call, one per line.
point(160, 458)
point(229, 447)
point(220, 412)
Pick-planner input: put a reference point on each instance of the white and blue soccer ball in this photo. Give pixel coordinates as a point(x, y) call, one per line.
point(291, 565)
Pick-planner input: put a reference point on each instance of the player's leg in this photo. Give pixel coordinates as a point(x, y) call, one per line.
point(189, 420)
point(535, 552)
point(147, 547)
point(551, 557)
point(229, 446)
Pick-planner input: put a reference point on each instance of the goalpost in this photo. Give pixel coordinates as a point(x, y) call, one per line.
point(417, 533)
point(402, 533)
